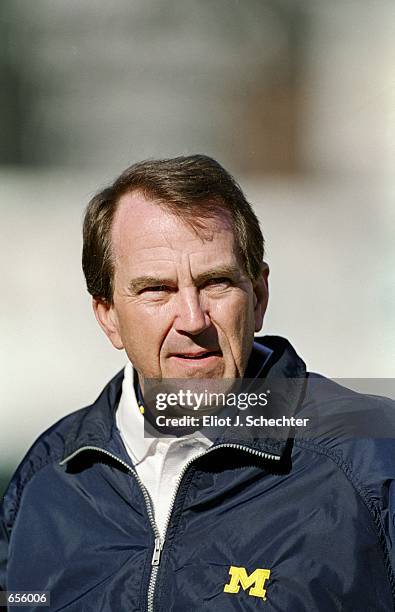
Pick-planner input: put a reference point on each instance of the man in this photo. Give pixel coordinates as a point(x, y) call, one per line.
point(104, 518)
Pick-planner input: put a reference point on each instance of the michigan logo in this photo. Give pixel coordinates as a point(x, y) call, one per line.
point(255, 581)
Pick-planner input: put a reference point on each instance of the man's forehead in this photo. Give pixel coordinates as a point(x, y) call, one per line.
point(143, 223)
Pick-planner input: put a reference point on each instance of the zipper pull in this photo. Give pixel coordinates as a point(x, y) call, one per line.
point(157, 551)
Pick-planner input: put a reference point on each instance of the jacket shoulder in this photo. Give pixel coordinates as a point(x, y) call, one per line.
point(341, 418)
point(55, 442)
point(355, 430)
point(47, 448)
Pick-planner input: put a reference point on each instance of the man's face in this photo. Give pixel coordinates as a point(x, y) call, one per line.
point(183, 305)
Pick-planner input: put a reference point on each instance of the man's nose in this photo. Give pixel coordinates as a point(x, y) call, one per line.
point(191, 317)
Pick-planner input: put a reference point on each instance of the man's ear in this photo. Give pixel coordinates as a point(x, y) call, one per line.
point(261, 295)
point(108, 321)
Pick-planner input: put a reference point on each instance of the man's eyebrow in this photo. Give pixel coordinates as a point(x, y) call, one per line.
point(220, 271)
point(141, 282)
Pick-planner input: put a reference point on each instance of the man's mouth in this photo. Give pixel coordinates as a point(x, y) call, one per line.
point(198, 356)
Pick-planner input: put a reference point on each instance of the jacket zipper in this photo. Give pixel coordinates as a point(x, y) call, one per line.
point(159, 543)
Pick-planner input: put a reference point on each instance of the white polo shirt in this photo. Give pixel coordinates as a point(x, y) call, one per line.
point(159, 461)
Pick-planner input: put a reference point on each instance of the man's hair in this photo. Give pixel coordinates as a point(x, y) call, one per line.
point(193, 188)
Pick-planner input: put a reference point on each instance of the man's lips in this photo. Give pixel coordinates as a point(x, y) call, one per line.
point(198, 355)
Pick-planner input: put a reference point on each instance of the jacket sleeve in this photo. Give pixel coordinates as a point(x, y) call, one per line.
point(8, 509)
point(391, 521)
point(4, 539)
point(4, 545)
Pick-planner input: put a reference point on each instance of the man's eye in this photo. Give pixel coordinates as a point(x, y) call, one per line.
point(218, 281)
point(155, 289)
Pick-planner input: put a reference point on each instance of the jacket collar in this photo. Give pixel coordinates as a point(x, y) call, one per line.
point(273, 358)
point(283, 374)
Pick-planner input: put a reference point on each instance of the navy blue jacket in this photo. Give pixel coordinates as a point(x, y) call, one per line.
point(287, 524)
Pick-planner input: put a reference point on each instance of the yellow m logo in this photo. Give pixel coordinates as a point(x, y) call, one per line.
point(240, 578)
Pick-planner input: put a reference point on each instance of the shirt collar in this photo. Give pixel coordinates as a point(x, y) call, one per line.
point(130, 421)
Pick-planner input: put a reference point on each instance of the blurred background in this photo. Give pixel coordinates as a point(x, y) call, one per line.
point(296, 98)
